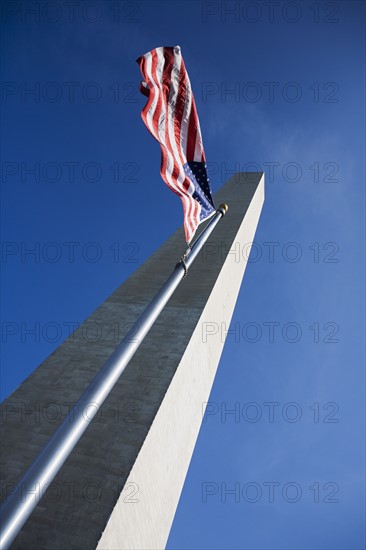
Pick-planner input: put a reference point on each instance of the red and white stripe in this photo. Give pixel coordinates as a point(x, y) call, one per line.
point(171, 116)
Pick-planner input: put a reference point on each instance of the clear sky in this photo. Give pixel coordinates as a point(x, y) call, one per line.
point(279, 87)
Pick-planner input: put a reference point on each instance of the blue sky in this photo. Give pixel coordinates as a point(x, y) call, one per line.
point(279, 87)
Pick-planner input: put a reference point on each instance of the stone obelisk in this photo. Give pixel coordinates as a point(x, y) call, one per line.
point(120, 486)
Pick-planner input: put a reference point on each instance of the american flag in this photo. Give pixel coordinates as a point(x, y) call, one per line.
point(170, 115)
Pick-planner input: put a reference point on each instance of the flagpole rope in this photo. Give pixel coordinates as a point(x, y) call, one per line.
point(222, 209)
point(183, 260)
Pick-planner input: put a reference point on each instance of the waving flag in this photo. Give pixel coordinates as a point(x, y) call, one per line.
point(171, 116)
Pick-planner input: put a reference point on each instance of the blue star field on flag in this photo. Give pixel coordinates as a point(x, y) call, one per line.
point(197, 173)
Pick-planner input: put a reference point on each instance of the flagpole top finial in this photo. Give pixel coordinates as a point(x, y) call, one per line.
point(224, 208)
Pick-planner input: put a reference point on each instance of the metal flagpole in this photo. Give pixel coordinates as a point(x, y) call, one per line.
point(42, 471)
